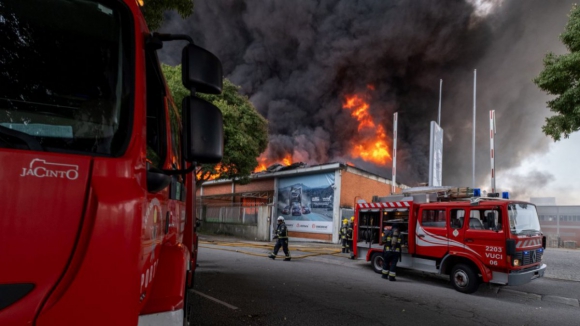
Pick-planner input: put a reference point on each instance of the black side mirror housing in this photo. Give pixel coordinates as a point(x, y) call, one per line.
point(156, 180)
point(201, 70)
point(203, 141)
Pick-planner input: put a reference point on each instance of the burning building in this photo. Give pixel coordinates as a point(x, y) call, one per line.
point(328, 76)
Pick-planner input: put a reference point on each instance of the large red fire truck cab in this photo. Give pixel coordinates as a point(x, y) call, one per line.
point(97, 225)
point(471, 239)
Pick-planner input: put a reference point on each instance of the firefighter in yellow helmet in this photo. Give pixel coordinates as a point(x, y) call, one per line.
point(343, 234)
point(391, 252)
point(349, 231)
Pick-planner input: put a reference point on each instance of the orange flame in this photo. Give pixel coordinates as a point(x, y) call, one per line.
point(264, 162)
point(371, 145)
point(220, 169)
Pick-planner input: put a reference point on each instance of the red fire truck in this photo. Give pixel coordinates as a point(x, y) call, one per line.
point(447, 231)
point(97, 223)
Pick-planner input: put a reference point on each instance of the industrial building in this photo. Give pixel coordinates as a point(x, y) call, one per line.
point(313, 200)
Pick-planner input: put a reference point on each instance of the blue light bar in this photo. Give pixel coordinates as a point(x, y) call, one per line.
point(505, 195)
point(476, 192)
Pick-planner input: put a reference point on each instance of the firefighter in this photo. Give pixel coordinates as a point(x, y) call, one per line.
point(343, 234)
point(281, 240)
point(349, 231)
point(391, 251)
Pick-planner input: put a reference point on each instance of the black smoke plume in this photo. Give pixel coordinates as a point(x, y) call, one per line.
point(297, 60)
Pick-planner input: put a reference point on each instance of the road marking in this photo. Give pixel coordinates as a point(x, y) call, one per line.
point(215, 300)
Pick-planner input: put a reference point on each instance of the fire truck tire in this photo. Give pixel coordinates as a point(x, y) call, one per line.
point(377, 262)
point(464, 278)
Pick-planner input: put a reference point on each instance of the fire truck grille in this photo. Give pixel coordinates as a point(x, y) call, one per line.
point(530, 256)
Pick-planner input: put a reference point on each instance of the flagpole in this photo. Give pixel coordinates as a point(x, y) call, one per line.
point(473, 141)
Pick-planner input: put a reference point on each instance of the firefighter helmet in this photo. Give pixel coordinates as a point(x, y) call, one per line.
point(280, 218)
point(344, 221)
point(352, 218)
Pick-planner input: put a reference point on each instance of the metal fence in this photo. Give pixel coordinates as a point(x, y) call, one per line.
point(233, 214)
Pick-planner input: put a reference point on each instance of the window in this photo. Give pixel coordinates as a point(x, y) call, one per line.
point(433, 218)
point(66, 83)
point(457, 216)
point(485, 219)
point(156, 104)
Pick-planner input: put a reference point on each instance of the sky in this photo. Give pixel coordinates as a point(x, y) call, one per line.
point(299, 63)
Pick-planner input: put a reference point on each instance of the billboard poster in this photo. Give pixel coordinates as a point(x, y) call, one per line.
point(436, 155)
point(307, 202)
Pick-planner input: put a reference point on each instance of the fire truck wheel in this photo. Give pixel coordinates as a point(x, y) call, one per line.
point(464, 278)
point(377, 262)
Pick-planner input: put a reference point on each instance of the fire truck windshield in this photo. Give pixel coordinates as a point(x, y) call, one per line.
point(523, 219)
point(65, 77)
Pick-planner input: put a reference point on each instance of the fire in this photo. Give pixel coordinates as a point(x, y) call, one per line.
point(264, 162)
point(261, 164)
point(220, 169)
point(371, 144)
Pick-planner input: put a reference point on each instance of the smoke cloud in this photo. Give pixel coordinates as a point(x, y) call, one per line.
point(297, 60)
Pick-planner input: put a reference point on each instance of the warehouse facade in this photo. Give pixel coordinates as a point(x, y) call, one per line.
point(312, 199)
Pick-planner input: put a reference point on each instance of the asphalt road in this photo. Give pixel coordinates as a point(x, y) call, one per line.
point(237, 285)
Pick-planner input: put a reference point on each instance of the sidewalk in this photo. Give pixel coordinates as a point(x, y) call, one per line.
point(327, 252)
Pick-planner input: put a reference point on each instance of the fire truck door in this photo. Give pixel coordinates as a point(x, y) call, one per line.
point(484, 235)
point(457, 226)
point(431, 232)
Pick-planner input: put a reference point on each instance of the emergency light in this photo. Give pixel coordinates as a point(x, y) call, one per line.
point(476, 192)
point(505, 195)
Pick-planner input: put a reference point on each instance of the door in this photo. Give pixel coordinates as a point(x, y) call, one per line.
point(457, 228)
point(431, 232)
point(484, 236)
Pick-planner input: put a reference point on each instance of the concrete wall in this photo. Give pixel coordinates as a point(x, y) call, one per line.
point(259, 232)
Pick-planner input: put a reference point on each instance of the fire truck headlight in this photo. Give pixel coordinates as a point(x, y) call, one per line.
point(516, 262)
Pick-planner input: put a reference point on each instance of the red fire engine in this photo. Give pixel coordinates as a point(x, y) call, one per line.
point(97, 223)
point(450, 232)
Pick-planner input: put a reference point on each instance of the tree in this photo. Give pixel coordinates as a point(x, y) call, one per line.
point(561, 77)
point(245, 130)
point(153, 10)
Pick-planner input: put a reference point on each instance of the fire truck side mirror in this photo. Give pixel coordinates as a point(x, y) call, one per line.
point(203, 139)
point(201, 70)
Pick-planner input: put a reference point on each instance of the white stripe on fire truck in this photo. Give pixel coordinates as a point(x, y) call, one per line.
point(433, 240)
point(396, 204)
point(528, 243)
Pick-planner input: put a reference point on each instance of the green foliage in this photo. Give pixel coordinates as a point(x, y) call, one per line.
point(245, 130)
point(561, 77)
point(153, 10)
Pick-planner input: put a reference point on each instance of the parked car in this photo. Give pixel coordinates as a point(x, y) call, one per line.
point(296, 210)
point(286, 210)
point(306, 210)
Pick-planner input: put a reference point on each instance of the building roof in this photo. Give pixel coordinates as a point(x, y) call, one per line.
point(278, 170)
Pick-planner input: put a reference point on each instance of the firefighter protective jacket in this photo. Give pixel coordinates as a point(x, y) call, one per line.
point(349, 231)
point(282, 231)
point(392, 241)
point(343, 231)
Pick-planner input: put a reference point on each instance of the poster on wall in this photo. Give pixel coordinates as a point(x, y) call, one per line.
point(307, 202)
